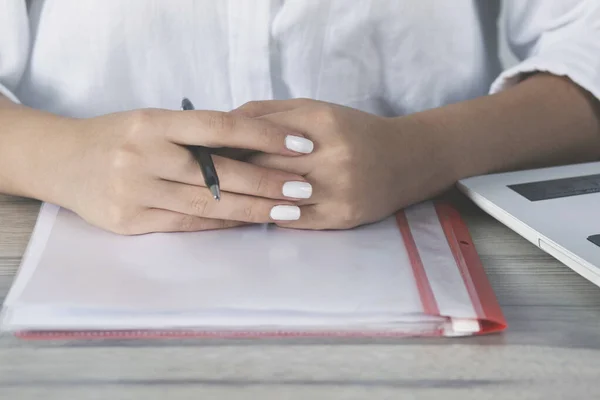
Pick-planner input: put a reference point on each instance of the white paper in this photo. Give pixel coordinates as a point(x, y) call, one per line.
point(82, 275)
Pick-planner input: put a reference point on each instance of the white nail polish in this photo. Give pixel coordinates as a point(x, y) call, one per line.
point(299, 144)
point(297, 190)
point(285, 213)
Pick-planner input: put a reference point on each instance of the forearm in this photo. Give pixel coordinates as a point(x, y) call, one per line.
point(543, 121)
point(32, 150)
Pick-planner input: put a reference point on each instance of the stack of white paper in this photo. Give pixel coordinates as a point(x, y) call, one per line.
point(256, 280)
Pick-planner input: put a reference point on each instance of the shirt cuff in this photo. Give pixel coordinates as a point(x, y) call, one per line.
point(577, 58)
point(8, 94)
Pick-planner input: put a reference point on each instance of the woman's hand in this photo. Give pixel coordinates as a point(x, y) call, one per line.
point(130, 173)
point(364, 167)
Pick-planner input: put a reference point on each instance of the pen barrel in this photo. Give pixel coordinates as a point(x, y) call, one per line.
point(206, 166)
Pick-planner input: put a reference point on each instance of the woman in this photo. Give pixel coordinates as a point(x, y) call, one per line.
point(342, 112)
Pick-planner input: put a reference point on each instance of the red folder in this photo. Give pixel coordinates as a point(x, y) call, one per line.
point(477, 313)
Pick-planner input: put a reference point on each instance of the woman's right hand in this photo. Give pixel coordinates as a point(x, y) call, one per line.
point(130, 173)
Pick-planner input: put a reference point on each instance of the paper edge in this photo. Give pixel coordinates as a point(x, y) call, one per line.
point(34, 250)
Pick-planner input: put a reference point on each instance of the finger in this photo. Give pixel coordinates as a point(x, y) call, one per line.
point(221, 129)
point(311, 219)
point(254, 109)
point(239, 177)
point(198, 201)
point(299, 166)
point(158, 220)
point(308, 119)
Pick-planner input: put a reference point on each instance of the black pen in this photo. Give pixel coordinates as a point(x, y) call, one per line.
point(204, 159)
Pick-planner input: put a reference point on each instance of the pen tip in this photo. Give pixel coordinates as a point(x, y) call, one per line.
point(216, 192)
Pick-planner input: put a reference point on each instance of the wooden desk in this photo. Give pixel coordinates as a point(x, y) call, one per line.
point(551, 349)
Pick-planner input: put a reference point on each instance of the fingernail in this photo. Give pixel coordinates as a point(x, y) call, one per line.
point(285, 213)
point(297, 190)
point(299, 144)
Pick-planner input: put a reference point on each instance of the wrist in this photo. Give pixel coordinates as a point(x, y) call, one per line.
point(451, 137)
point(436, 154)
point(35, 145)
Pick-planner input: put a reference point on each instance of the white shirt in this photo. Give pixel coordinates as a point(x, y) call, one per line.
point(390, 57)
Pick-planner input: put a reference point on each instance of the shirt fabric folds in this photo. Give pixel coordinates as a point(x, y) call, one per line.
point(388, 57)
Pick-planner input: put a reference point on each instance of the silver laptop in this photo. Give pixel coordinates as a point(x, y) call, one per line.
point(557, 209)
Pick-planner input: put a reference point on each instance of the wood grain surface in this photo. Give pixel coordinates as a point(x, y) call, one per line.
point(551, 349)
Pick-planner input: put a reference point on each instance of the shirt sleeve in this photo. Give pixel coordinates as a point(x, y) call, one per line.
point(561, 37)
point(14, 45)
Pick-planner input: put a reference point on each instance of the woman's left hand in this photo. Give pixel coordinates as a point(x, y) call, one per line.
point(363, 168)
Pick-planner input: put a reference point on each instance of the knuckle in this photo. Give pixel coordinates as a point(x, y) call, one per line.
point(140, 122)
point(262, 187)
point(345, 182)
point(199, 204)
point(223, 224)
point(348, 216)
point(127, 150)
point(250, 109)
point(119, 219)
point(220, 122)
point(120, 190)
point(325, 115)
point(248, 213)
point(121, 159)
point(346, 155)
point(187, 223)
point(267, 135)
